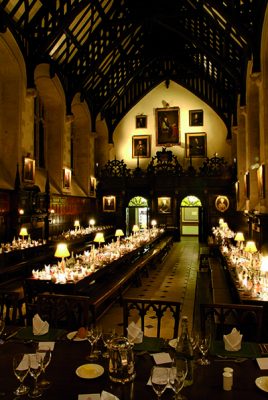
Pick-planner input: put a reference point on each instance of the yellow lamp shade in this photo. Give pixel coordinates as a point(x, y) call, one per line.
point(153, 222)
point(76, 223)
point(135, 228)
point(99, 238)
point(239, 237)
point(250, 247)
point(23, 232)
point(92, 222)
point(62, 250)
point(119, 232)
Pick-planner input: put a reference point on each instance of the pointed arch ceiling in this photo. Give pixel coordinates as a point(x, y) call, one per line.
point(115, 51)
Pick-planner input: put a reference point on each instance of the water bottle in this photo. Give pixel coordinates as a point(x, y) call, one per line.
point(184, 348)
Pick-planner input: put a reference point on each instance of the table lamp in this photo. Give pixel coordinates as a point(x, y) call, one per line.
point(239, 238)
point(135, 229)
point(76, 224)
point(99, 238)
point(62, 252)
point(92, 222)
point(250, 248)
point(23, 233)
point(118, 234)
point(153, 223)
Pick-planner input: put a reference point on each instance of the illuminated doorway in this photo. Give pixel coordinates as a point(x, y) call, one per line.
point(189, 216)
point(137, 213)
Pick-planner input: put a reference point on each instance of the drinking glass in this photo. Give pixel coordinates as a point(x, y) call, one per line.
point(21, 369)
point(45, 355)
point(107, 337)
point(177, 375)
point(35, 369)
point(92, 336)
point(98, 330)
point(159, 380)
point(203, 345)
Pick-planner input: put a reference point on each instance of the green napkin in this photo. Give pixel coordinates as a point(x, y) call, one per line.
point(27, 334)
point(248, 350)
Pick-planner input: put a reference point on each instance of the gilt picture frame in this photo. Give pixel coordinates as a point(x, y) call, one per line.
point(196, 118)
point(109, 203)
point(141, 121)
point(141, 146)
point(167, 126)
point(28, 172)
point(164, 205)
point(196, 145)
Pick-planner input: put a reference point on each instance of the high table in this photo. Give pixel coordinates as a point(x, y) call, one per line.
point(69, 355)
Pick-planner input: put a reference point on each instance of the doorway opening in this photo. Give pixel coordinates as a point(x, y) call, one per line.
point(137, 213)
point(189, 216)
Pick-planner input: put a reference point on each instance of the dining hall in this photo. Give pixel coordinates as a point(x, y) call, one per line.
point(133, 199)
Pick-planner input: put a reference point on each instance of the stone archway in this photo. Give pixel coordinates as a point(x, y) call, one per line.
point(189, 215)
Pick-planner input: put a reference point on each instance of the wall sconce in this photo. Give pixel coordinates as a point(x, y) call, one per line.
point(62, 252)
point(23, 233)
point(99, 238)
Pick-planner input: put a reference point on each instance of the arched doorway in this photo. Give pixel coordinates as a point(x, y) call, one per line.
point(190, 216)
point(137, 213)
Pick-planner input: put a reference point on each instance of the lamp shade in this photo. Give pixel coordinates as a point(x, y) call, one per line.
point(99, 238)
point(221, 221)
point(119, 232)
point(62, 250)
point(76, 223)
point(135, 228)
point(92, 222)
point(250, 247)
point(23, 232)
point(239, 237)
point(153, 222)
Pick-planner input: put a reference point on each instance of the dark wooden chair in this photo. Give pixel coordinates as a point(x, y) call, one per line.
point(64, 311)
point(221, 318)
point(11, 303)
point(151, 315)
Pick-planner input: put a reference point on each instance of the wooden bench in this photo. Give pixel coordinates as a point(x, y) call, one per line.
point(113, 288)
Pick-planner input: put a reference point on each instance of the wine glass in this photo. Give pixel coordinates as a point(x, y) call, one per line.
point(177, 375)
point(45, 355)
point(92, 336)
point(203, 345)
point(107, 338)
point(98, 330)
point(21, 369)
point(35, 369)
point(159, 380)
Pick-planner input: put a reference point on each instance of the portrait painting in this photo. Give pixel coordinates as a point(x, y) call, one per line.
point(261, 181)
point(164, 205)
point(196, 118)
point(92, 187)
point(196, 145)
point(109, 203)
point(67, 177)
point(222, 203)
point(168, 126)
point(28, 170)
point(141, 146)
point(141, 121)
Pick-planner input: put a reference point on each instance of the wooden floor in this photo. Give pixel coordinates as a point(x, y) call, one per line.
point(175, 278)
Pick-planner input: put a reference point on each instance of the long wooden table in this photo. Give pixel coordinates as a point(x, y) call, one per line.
point(69, 355)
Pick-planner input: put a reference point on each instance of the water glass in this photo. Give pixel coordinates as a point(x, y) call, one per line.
point(203, 345)
point(177, 375)
point(45, 355)
point(21, 369)
point(35, 369)
point(159, 380)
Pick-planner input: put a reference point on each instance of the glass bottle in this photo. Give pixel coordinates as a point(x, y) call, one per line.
point(184, 348)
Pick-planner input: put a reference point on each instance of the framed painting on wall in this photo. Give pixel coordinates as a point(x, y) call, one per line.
point(222, 203)
point(164, 205)
point(141, 121)
point(196, 118)
point(167, 126)
point(141, 146)
point(67, 178)
point(28, 172)
point(196, 145)
point(109, 203)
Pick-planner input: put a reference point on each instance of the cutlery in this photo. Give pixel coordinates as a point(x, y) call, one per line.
point(225, 358)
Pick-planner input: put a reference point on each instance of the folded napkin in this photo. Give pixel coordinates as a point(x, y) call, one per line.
point(108, 396)
point(162, 358)
point(232, 341)
point(135, 334)
point(103, 396)
point(40, 327)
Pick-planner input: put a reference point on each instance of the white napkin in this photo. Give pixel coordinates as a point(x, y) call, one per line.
point(232, 341)
point(46, 346)
point(103, 396)
point(40, 327)
point(162, 358)
point(135, 334)
point(262, 362)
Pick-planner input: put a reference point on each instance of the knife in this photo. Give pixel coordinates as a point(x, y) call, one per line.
point(13, 334)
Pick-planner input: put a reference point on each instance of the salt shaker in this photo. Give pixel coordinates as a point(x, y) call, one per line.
point(227, 380)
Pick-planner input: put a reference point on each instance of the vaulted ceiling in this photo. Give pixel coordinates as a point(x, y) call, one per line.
point(115, 51)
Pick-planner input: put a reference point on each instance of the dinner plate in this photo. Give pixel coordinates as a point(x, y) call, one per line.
point(173, 343)
point(262, 383)
point(89, 371)
point(70, 336)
